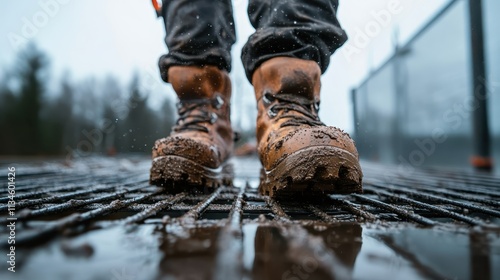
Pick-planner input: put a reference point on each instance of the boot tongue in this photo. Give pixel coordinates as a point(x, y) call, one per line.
point(283, 75)
point(215, 100)
point(198, 82)
point(196, 92)
point(295, 98)
point(300, 86)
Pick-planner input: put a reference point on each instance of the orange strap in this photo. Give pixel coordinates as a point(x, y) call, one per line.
point(156, 5)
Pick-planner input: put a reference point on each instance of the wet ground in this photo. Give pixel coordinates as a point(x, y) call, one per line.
point(99, 219)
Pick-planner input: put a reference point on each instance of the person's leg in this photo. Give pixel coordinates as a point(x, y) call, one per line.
point(305, 29)
point(200, 34)
point(284, 60)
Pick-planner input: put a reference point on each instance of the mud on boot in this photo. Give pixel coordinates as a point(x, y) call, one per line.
point(300, 155)
point(195, 155)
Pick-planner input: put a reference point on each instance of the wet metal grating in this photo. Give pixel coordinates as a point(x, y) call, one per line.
point(426, 198)
point(52, 204)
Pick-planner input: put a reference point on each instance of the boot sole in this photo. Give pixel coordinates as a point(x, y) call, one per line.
point(313, 171)
point(178, 174)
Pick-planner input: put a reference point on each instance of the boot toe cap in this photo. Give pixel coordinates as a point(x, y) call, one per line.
point(279, 147)
point(203, 152)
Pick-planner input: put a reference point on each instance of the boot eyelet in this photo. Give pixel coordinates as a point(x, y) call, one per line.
point(213, 118)
point(271, 112)
point(268, 98)
point(219, 102)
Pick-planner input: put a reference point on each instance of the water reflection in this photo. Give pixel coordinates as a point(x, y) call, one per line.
point(267, 252)
point(363, 251)
point(444, 254)
point(273, 262)
point(270, 251)
point(190, 256)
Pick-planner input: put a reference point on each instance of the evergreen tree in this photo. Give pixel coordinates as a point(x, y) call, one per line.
point(140, 123)
point(22, 116)
point(7, 118)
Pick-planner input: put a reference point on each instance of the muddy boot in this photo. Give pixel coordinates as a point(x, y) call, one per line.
point(196, 152)
point(300, 155)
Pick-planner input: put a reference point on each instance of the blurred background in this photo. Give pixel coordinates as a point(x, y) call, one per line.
point(80, 78)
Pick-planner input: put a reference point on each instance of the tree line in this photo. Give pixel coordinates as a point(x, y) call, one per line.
point(93, 116)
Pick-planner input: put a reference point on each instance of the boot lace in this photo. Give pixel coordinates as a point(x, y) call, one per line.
point(193, 113)
point(286, 103)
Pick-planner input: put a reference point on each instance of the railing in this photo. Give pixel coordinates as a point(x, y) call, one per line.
point(418, 108)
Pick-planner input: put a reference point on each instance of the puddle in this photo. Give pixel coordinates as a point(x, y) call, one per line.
point(443, 254)
point(188, 255)
point(390, 251)
point(117, 253)
point(362, 256)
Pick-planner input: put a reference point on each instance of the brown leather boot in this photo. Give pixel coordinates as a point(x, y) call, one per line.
point(300, 154)
point(196, 152)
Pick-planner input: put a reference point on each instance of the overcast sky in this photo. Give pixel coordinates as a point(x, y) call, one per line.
point(98, 38)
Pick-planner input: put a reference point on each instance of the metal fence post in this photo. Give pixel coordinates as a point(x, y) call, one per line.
point(355, 114)
point(481, 159)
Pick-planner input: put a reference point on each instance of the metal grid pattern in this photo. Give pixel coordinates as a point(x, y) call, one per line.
point(211, 231)
point(52, 202)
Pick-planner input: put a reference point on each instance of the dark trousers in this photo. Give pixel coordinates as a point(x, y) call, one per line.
point(202, 32)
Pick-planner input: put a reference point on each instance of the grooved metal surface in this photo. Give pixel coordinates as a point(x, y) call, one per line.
point(55, 205)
